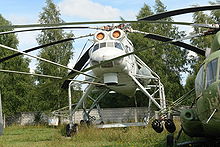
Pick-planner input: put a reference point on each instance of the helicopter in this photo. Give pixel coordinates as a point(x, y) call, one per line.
point(113, 62)
point(203, 113)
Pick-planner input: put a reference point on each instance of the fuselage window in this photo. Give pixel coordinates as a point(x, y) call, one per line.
point(102, 44)
point(199, 82)
point(118, 45)
point(95, 47)
point(211, 72)
point(110, 44)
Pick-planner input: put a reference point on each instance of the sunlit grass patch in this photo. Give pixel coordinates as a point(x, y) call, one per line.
point(44, 136)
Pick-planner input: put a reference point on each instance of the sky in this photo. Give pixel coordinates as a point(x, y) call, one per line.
point(27, 12)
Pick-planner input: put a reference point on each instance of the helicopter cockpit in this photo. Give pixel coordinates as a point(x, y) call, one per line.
point(112, 44)
point(207, 75)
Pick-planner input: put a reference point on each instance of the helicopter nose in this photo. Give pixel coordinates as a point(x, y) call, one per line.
point(106, 53)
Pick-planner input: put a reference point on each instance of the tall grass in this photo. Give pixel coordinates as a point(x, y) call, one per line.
point(43, 136)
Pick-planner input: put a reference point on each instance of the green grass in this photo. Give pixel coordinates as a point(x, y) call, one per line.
point(43, 136)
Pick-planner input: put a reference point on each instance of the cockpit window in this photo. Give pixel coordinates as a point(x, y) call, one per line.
point(199, 82)
point(211, 72)
point(107, 44)
point(118, 45)
point(102, 45)
point(110, 44)
point(95, 47)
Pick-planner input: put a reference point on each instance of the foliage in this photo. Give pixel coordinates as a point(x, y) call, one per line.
point(15, 89)
point(167, 61)
point(52, 97)
point(201, 42)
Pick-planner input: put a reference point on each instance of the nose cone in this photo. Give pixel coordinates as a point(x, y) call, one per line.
point(106, 53)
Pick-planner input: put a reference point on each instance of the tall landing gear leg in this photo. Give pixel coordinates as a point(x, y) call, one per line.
point(71, 127)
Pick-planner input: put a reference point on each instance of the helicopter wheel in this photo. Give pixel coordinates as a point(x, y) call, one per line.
point(71, 131)
point(75, 128)
point(68, 130)
point(82, 122)
point(170, 140)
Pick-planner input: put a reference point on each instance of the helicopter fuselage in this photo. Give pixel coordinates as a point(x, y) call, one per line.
point(203, 119)
point(115, 73)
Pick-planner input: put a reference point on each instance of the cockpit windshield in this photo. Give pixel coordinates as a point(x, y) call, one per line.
point(211, 72)
point(114, 44)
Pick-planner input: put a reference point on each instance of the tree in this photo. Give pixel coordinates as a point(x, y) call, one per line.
point(167, 61)
point(201, 42)
point(15, 89)
point(52, 97)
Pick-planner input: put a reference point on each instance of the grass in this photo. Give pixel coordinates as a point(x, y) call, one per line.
point(43, 136)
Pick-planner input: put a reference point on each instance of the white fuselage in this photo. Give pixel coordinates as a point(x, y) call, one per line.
point(115, 73)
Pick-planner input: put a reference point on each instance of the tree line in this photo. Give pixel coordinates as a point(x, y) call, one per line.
point(22, 93)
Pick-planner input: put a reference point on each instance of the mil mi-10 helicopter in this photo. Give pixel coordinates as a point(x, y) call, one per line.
point(115, 66)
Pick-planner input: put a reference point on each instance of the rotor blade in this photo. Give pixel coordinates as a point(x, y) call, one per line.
point(179, 11)
point(45, 60)
point(47, 28)
point(78, 66)
point(48, 76)
point(42, 46)
point(177, 43)
point(91, 22)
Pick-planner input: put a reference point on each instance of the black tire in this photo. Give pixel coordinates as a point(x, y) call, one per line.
point(68, 130)
point(75, 129)
point(82, 122)
point(157, 126)
point(170, 126)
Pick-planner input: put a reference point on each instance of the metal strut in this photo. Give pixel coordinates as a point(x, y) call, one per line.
point(82, 99)
point(95, 103)
point(145, 92)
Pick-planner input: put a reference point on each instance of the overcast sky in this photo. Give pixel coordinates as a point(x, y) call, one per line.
point(27, 11)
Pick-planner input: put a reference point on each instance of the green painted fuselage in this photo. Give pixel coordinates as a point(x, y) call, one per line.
point(203, 120)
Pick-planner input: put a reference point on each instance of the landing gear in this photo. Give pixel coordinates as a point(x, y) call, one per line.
point(157, 126)
point(170, 140)
point(170, 126)
point(71, 130)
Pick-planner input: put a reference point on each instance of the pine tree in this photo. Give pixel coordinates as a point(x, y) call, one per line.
point(52, 97)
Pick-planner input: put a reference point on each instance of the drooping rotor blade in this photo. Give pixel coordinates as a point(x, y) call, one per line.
point(47, 28)
point(48, 76)
point(42, 46)
point(179, 11)
point(78, 66)
point(177, 43)
point(45, 60)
